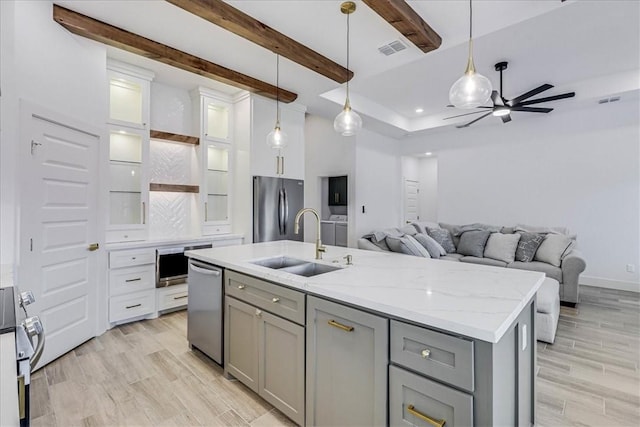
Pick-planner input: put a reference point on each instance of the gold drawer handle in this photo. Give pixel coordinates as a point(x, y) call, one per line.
point(425, 353)
point(423, 417)
point(275, 299)
point(181, 297)
point(340, 326)
point(241, 287)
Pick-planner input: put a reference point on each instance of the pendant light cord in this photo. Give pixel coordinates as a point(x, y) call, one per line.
point(348, 56)
point(278, 89)
point(470, 21)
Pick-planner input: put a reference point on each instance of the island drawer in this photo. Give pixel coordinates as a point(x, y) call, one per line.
point(417, 401)
point(127, 306)
point(130, 258)
point(276, 299)
point(432, 353)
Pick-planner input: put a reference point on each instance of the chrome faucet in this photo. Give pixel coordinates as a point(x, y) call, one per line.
point(320, 248)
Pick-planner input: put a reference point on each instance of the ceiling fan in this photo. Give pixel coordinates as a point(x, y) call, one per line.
point(503, 107)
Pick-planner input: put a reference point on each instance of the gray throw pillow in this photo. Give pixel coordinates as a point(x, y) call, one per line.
point(434, 248)
point(477, 226)
point(472, 243)
point(528, 245)
point(502, 247)
point(406, 245)
point(443, 237)
point(553, 248)
point(421, 226)
point(408, 229)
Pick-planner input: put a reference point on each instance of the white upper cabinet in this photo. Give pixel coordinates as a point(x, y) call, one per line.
point(263, 120)
point(129, 89)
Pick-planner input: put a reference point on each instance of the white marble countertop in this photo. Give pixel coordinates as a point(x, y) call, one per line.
point(474, 300)
point(169, 242)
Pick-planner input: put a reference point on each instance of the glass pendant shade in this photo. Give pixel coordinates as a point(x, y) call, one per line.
point(277, 139)
point(348, 122)
point(470, 91)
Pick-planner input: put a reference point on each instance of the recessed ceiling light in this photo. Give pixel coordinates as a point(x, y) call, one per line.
point(428, 153)
point(419, 110)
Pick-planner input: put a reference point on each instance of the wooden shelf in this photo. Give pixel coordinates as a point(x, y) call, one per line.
point(174, 188)
point(174, 137)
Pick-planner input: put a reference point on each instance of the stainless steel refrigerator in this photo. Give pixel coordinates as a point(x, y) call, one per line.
point(276, 201)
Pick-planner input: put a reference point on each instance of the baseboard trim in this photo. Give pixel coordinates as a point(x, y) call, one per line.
point(610, 283)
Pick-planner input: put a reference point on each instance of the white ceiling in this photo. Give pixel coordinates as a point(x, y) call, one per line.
point(571, 45)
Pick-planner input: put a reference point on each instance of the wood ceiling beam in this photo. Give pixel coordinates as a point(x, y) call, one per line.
point(93, 29)
point(231, 19)
point(407, 21)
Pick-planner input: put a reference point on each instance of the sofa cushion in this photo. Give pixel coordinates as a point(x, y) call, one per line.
point(434, 248)
point(528, 245)
point(548, 269)
point(477, 226)
point(454, 230)
point(548, 296)
point(408, 229)
point(545, 230)
point(443, 237)
point(483, 261)
point(502, 247)
point(407, 245)
point(452, 257)
point(421, 226)
point(552, 248)
point(507, 230)
point(472, 243)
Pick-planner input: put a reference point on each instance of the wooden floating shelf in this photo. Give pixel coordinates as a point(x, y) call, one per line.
point(174, 188)
point(174, 137)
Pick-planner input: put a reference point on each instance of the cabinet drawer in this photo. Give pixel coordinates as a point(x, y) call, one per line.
point(434, 354)
point(276, 299)
point(209, 229)
point(130, 258)
point(128, 306)
point(172, 297)
point(126, 235)
point(413, 400)
point(131, 279)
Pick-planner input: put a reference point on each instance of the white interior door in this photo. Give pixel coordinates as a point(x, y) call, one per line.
point(411, 202)
point(58, 206)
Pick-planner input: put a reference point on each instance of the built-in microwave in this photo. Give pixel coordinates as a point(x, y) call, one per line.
point(172, 266)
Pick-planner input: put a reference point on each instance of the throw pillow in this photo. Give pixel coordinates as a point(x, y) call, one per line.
point(406, 245)
point(477, 226)
point(528, 245)
point(502, 247)
point(421, 226)
point(443, 237)
point(434, 248)
point(472, 243)
point(408, 229)
point(552, 248)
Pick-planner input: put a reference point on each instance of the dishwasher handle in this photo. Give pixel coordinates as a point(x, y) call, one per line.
point(204, 270)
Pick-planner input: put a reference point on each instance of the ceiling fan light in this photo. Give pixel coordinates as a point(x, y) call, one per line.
point(277, 139)
point(348, 122)
point(501, 112)
point(470, 91)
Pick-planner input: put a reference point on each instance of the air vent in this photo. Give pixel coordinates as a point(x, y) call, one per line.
point(392, 47)
point(607, 100)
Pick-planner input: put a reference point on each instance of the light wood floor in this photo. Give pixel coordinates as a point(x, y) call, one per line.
point(145, 374)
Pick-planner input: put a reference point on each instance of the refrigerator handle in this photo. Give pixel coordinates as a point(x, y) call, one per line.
point(286, 211)
point(281, 210)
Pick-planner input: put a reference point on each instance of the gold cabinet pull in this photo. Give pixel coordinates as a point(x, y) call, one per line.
point(426, 418)
point(241, 287)
point(206, 212)
point(93, 247)
point(258, 312)
point(275, 299)
point(144, 213)
point(340, 326)
point(425, 353)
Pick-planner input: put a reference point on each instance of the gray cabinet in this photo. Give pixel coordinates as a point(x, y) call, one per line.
point(341, 235)
point(263, 350)
point(347, 359)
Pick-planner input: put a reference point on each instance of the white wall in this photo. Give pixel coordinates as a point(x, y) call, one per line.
point(578, 169)
point(172, 110)
point(428, 178)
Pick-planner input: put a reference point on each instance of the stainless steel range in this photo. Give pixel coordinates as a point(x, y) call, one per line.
point(14, 318)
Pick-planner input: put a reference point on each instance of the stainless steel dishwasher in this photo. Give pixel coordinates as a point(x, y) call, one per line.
point(204, 309)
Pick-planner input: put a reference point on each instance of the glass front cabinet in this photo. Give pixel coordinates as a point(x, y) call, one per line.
point(128, 153)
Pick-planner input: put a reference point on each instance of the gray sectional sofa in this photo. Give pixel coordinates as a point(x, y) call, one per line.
point(555, 254)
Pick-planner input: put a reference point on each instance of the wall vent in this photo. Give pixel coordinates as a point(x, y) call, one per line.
point(392, 47)
point(607, 100)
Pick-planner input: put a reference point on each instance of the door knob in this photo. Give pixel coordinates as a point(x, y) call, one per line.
point(94, 247)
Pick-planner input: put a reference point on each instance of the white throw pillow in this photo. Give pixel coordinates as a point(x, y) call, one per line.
point(502, 247)
point(407, 245)
point(552, 249)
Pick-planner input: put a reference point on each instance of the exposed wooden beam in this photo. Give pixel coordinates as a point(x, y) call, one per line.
point(174, 188)
point(93, 29)
point(399, 14)
point(231, 19)
point(174, 137)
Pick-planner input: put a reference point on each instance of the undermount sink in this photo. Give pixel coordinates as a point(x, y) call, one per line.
point(296, 266)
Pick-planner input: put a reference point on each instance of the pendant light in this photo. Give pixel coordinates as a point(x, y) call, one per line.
point(277, 139)
point(348, 122)
point(472, 89)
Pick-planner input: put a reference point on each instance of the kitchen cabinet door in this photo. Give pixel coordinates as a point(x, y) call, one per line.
point(347, 359)
point(341, 235)
point(241, 342)
point(337, 191)
point(328, 233)
point(281, 365)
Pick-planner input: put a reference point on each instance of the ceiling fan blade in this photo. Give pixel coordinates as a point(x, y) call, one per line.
point(506, 119)
point(461, 115)
point(497, 99)
point(482, 106)
point(531, 93)
point(532, 109)
point(473, 121)
point(547, 99)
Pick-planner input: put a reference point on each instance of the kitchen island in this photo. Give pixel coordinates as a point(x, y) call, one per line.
point(391, 339)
